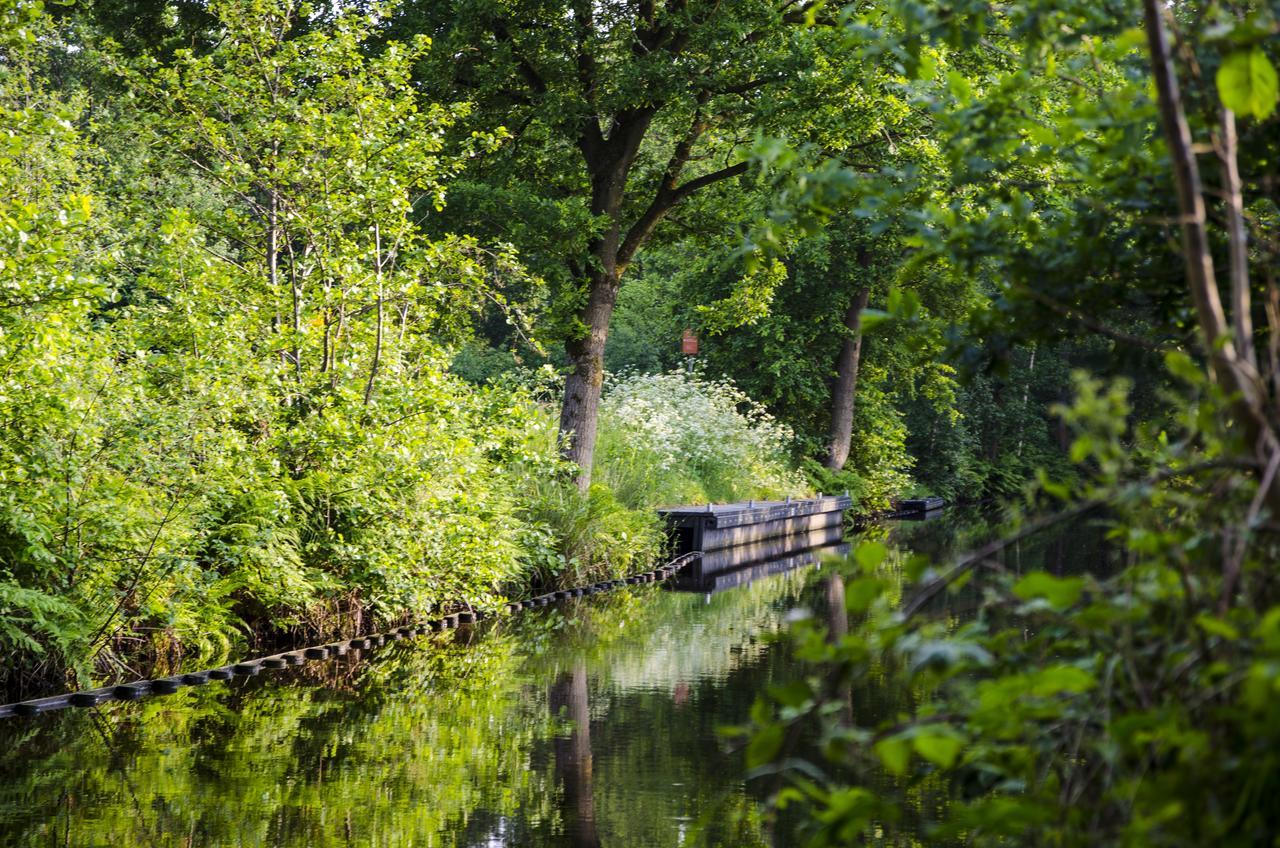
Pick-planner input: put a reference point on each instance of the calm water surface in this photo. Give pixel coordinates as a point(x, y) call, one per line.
point(589, 724)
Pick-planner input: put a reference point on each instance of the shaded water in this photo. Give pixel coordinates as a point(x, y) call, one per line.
point(589, 724)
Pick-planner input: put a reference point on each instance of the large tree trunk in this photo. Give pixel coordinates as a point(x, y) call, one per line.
point(608, 158)
point(842, 395)
point(580, 411)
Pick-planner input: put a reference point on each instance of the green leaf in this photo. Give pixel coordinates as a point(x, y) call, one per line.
point(959, 86)
point(1060, 592)
point(792, 694)
point(1216, 627)
point(1043, 135)
point(915, 566)
point(939, 745)
point(872, 318)
point(1182, 366)
point(764, 745)
point(1131, 39)
point(859, 594)
point(870, 554)
point(894, 753)
point(1061, 678)
point(1081, 448)
point(1269, 629)
point(1247, 83)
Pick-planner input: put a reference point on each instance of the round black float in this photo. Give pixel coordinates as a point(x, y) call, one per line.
point(338, 648)
point(359, 643)
point(274, 662)
point(87, 699)
point(437, 626)
point(220, 674)
point(316, 653)
point(28, 708)
point(244, 669)
point(164, 686)
point(199, 678)
point(130, 691)
point(466, 617)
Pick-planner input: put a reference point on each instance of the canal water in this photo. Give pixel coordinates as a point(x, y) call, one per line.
point(593, 723)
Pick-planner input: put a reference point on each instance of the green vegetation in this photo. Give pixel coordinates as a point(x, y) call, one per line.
point(1133, 704)
point(227, 406)
point(315, 317)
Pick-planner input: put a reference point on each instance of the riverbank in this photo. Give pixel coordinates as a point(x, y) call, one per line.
point(342, 521)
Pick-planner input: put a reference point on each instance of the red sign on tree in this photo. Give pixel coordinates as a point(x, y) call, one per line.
point(689, 343)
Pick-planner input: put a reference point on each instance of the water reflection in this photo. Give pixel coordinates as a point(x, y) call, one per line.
point(590, 724)
point(569, 700)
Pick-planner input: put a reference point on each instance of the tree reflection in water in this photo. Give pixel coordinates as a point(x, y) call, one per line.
point(569, 700)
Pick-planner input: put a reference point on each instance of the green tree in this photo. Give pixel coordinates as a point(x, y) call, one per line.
point(622, 114)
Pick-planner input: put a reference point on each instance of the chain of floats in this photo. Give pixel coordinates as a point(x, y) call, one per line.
point(249, 668)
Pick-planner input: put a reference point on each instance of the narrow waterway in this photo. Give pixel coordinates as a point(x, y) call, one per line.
point(593, 723)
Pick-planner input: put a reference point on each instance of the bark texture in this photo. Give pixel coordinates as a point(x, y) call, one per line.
point(844, 392)
point(580, 410)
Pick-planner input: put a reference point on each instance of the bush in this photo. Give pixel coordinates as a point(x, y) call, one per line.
point(588, 537)
point(680, 438)
point(1127, 706)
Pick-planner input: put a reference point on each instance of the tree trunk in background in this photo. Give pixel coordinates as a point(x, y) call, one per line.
point(1026, 399)
point(842, 396)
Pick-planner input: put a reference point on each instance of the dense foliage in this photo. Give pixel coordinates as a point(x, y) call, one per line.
point(316, 316)
point(1129, 705)
point(228, 411)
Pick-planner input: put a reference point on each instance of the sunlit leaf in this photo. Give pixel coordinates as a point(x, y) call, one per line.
point(1247, 83)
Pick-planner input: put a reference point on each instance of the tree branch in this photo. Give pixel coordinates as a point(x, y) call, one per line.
point(1092, 324)
point(1238, 240)
point(531, 74)
point(699, 183)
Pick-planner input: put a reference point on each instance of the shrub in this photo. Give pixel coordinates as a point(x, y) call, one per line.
point(684, 438)
point(588, 537)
